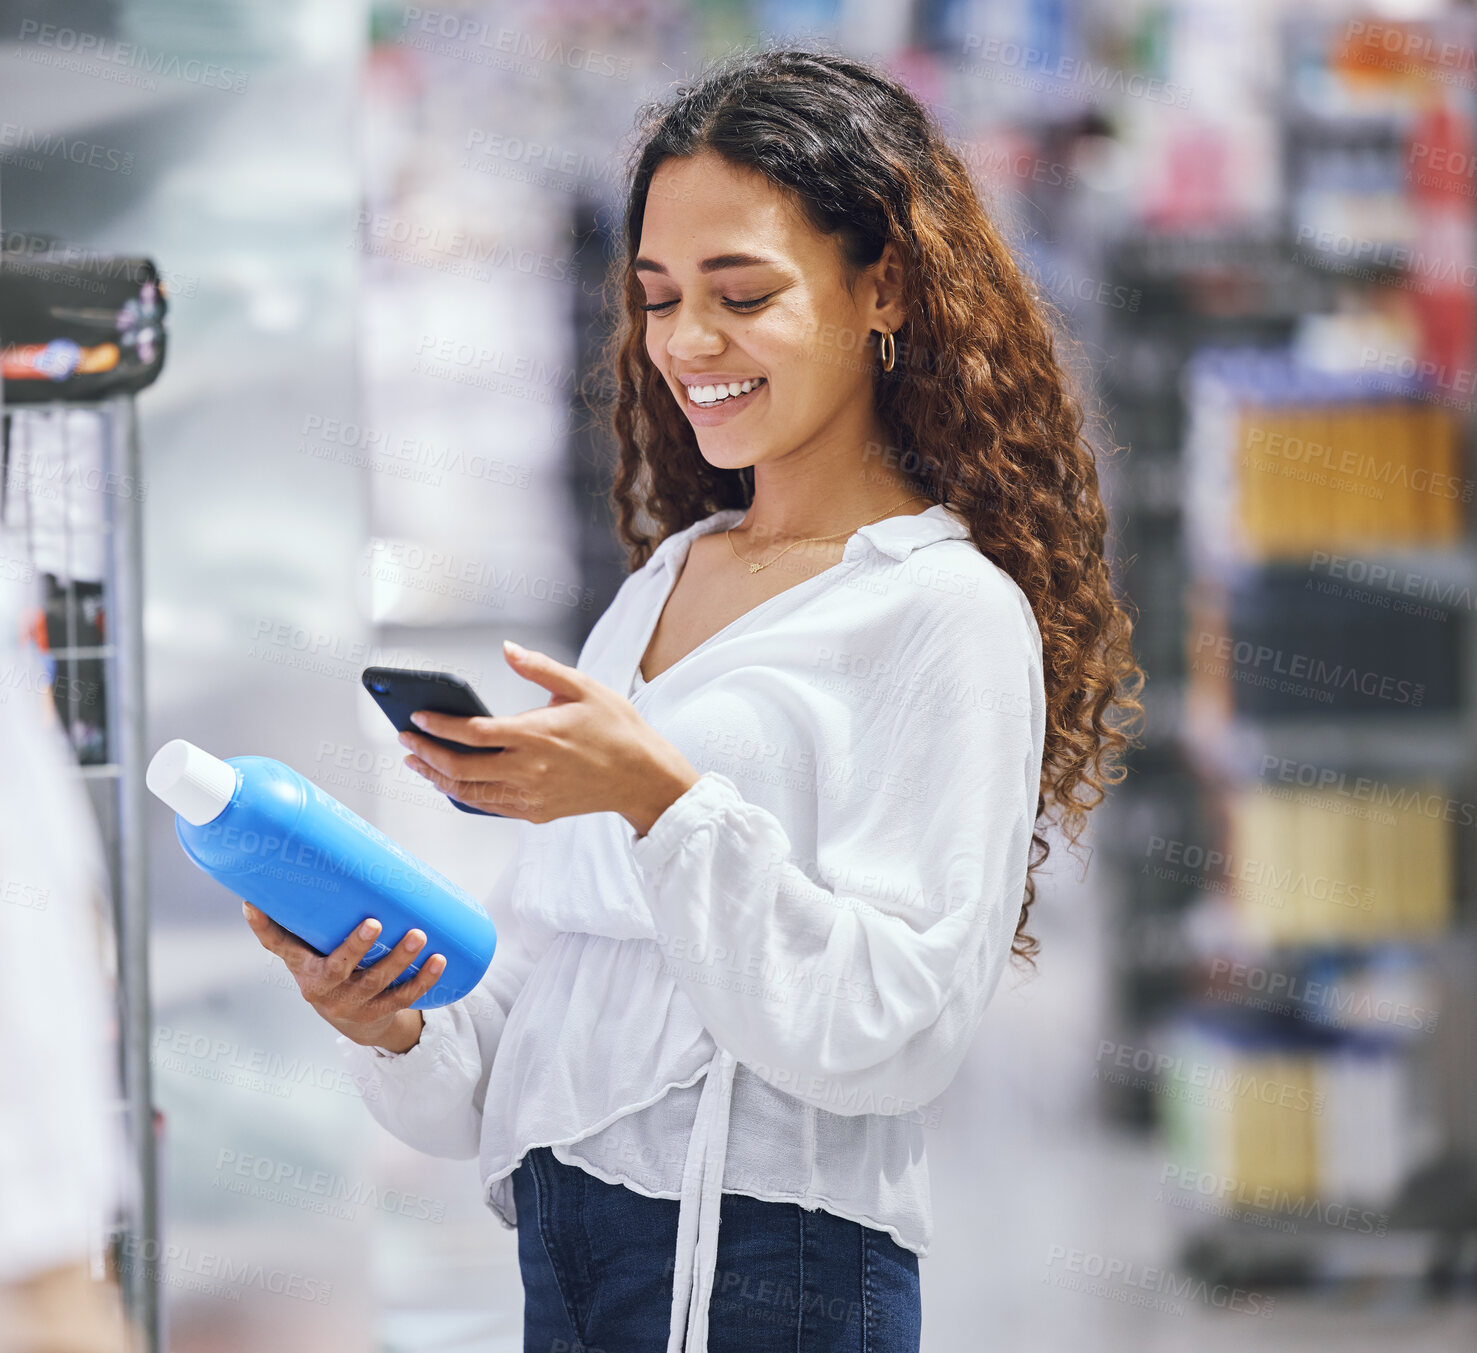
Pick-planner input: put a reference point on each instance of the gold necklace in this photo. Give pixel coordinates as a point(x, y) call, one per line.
point(754, 568)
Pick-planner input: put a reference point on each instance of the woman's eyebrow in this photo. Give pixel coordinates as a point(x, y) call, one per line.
point(715, 264)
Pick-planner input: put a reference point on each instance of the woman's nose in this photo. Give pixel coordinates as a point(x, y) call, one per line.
point(692, 336)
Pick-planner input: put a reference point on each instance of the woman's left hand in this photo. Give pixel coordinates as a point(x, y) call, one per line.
point(586, 751)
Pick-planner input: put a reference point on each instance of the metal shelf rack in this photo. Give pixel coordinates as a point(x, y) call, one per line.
point(71, 495)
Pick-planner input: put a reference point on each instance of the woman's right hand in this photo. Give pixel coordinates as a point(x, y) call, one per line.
point(356, 1001)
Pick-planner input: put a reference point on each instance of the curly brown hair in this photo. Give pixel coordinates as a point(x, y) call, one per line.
point(977, 407)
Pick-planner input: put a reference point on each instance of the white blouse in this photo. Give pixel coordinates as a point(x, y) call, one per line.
point(764, 994)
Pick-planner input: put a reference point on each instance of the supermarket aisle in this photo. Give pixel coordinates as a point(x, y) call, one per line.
point(384, 239)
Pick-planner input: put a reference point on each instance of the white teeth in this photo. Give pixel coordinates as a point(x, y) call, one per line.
point(716, 394)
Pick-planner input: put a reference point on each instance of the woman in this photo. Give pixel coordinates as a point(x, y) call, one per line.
point(777, 827)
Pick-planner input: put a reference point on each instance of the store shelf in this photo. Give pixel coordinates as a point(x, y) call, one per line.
point(1215, 742)
point(85, 548)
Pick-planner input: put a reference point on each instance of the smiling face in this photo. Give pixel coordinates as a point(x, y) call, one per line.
point(751, 318)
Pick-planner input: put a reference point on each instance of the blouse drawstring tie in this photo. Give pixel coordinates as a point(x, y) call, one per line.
point(697, 1214)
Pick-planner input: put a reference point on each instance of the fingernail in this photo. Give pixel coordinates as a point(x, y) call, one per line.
point(246, 910)
point(416, 940)
point(417, 720)
point(368, 929)
point(510, 647)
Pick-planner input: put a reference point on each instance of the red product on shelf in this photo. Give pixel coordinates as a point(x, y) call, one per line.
point(1445, 266)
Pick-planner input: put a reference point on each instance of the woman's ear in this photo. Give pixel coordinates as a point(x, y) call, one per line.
point(882, 300)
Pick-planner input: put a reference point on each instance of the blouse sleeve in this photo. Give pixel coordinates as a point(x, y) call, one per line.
point(431, 1095)
point(862, 995)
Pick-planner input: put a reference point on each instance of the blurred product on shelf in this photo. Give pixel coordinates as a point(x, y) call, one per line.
point(1284, 643)
point(56, 506)
point(1285, 461)
point(78, 328)
point(1307, 869)
point(1390, 991)
point(57, 486)
point(1322, 1135)
point(73, 632)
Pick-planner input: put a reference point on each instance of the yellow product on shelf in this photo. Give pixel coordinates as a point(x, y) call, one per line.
point(1382, 474)
point(1344, 498)
point(1273, 1134)
point(1444, 498)
point(1334, 849)
point(1429, 456)
point(1259, 841)
point(1376, 832)
point(1408, 515)
point(1311, 1134)
point(1318, 866)
point(1380, 511)
point(1256, 475)
point(1421, 847)
point(1275, 478)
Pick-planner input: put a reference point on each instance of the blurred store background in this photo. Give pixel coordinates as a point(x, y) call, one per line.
point(1236, 1106)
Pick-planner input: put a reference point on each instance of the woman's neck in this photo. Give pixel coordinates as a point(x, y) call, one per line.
point(813, 495)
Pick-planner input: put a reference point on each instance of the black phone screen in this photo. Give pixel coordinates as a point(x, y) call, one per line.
point(400, 691)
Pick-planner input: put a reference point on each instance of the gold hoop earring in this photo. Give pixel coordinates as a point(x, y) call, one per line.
point(887, 346)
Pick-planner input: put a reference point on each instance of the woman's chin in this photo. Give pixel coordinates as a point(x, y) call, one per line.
point(725, 452)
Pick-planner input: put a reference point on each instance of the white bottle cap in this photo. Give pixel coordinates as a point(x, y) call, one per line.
point(195, 784)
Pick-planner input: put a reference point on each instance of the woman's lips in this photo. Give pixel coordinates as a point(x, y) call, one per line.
point(721, 412)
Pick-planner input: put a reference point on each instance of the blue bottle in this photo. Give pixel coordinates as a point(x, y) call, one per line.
point(315, 867)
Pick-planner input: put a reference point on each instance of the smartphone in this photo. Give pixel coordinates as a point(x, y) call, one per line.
point(400, 691)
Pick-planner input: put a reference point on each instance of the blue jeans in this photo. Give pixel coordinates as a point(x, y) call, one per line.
point(597, 1263)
